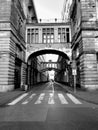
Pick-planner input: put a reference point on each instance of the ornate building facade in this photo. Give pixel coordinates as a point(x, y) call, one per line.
point(84, 26)
point(21, 35)
point(13, 17)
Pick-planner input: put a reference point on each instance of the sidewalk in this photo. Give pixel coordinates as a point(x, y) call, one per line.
point(6, 97)
point(89, 96)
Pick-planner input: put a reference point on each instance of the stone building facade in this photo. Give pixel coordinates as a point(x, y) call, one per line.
point(13, 17)
point(84, 26)
point(15, 14)
point(46, 38)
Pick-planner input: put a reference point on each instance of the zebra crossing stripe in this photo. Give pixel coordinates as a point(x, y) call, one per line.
point(41, 97)
point(29, 99)
point(51, 99)
point(18, 99)
point(62, 99)
point(75, 100)
point(39, 100)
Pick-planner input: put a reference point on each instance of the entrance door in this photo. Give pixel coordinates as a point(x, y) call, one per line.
point(17, 73)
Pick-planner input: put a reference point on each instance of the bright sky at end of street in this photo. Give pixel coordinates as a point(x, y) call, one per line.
point(49, 9)
point(52, 57)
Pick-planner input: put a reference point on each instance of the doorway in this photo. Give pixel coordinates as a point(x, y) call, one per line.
point(17, 73)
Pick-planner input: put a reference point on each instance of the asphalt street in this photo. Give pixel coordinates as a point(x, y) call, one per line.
point(48, 107)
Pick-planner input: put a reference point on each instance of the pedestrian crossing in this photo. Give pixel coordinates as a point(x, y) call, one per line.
point(18, 99)
point(62, 99)
point(28, 99)
point(51, 99)
point(48, 98)
point(41, 97)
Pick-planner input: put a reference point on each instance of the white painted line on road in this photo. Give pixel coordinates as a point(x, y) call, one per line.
point(18, 99)
point(39, 100)
point(62, 99)
point(75, 100)
point(51, 99)
point(29, 99)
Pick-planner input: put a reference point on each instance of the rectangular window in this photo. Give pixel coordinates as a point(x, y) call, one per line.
point(44, 38)
point(48, 40)
point(32, 36)
point(48, 35)
point(67, 35)
point(28, 36)
point(52, 40)
point(61, 35)
point(44, 41)
point(36, 38)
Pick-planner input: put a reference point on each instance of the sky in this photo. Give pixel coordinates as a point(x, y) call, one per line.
point(52, 57)
point(49, 9)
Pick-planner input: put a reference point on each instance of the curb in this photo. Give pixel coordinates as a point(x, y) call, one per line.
point(77, 96)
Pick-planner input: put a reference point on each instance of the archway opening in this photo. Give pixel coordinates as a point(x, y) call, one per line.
point(49, 51)
point(42, 67)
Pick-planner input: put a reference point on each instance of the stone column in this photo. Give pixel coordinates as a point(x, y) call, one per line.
point(89, 72)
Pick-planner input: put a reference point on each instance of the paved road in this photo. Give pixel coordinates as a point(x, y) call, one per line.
point(48, 107)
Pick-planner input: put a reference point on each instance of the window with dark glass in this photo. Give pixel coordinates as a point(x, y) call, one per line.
point(67, 35)
point(32, 36)
point(28, 36)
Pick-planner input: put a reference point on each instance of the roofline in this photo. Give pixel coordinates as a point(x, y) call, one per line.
point(48, 24)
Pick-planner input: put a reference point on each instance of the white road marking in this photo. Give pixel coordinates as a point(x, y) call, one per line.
point(51, 99)
point(75, 100)
point(39, 100)
point(62, 99)
point(18, 99)
point(29, 99)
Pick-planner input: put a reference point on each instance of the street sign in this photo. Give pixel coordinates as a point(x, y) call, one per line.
point(74, 72)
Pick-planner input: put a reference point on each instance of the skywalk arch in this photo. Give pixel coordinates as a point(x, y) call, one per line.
point(36, 73)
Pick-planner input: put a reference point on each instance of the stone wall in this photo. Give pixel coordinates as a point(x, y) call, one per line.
point(84, 40)
point(12, 36)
